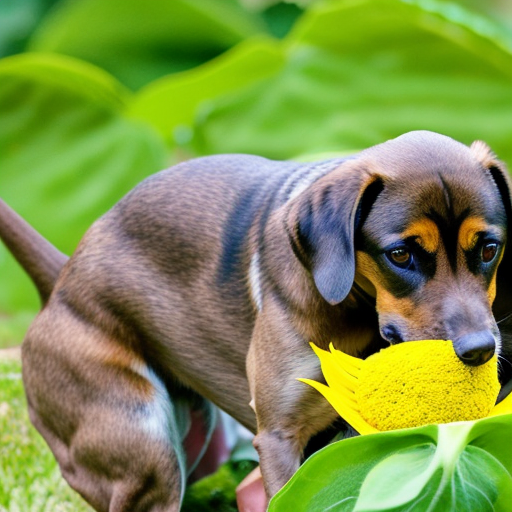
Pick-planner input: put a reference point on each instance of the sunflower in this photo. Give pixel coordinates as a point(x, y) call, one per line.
point(408, 385)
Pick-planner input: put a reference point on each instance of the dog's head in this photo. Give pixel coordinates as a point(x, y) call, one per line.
point(420, 224)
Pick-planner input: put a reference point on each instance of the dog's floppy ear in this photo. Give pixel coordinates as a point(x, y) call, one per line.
point(321, 224)
point(503, 302)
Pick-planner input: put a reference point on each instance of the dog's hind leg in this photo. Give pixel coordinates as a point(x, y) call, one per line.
point(127, 468)
point(108, 418)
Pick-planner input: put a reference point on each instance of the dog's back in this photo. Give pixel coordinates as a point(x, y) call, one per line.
point(170, 261)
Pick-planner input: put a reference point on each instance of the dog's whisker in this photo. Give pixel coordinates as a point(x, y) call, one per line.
point(504, 319)
point(503, 363)
point(503, 358)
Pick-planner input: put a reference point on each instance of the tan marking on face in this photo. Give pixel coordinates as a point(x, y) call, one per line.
point(426, 234)
point(468, 232)
point(491, 292)
point(386, 302)
point(367, 267)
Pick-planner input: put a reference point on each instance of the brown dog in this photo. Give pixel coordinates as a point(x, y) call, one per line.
point(208, 280)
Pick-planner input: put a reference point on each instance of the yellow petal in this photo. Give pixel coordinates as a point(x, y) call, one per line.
point(335, 374)
point(504, 407)
point(343, 407)
point(352, 365)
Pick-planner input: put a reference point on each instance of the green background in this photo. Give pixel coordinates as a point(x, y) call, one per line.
point(96, 94)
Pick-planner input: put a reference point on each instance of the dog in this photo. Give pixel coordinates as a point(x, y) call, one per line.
point(206, 283)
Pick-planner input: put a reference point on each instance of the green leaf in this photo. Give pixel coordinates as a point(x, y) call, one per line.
point(409, 470)
point(358, 73)
point(18, 18)
point(67, 153)
point(462, 466)
point(333, 476)
point(171, 103)
point(140, 41)
point(281, 16)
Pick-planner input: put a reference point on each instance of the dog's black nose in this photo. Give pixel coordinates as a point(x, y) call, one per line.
point(475, 348)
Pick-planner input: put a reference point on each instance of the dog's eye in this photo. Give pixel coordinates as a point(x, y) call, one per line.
point(489, 251)
point(400, 256)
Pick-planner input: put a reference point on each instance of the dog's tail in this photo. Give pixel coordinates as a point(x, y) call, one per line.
point(38, 257)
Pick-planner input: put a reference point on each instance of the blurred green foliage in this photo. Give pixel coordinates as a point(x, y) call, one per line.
point(137, 41)
point(97, 94)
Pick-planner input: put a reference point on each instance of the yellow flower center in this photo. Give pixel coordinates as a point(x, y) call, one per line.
point(422, 382)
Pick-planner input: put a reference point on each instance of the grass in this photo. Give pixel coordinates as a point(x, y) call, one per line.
point(30, 480)
point(13, 328)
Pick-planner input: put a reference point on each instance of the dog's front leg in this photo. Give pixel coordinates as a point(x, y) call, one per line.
point(288, 412)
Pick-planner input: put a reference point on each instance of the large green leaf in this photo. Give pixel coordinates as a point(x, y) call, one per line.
point(141, 41)
point(18, 18)
point(171, 103)
point(448, 475)
point(333, 476)
point(67, 153)
point(463, 466)
point(281, 16)
point(360, 72)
